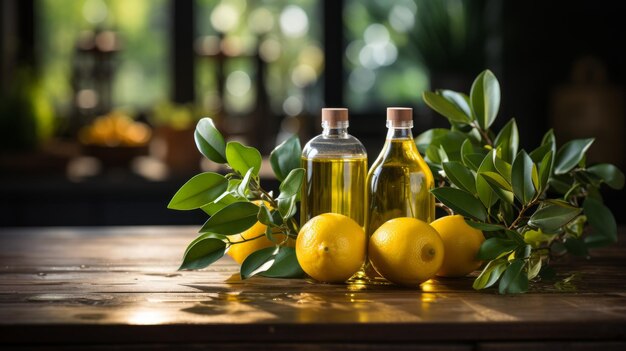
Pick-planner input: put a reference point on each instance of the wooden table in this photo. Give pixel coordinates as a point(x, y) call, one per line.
point(100, 288)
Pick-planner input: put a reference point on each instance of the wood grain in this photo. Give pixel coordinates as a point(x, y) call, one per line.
point(119, 286)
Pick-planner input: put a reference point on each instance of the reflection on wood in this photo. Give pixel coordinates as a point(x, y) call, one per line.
point(121, 285)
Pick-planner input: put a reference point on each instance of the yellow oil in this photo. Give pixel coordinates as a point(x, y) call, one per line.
point(334, 185)
point(398, 185)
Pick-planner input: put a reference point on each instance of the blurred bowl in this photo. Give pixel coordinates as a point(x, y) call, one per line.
point(115, 156)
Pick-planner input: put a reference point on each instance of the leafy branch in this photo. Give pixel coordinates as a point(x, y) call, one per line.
point(235, 202)
point(530, 206)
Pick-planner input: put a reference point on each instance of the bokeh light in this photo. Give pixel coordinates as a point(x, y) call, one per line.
point(294, 22)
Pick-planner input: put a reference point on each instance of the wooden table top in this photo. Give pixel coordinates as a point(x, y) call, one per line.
point(119, 286)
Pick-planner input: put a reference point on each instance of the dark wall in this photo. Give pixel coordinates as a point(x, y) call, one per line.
point(541, 42)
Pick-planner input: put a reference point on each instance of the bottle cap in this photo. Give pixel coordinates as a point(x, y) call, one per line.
point(400, 114)
point(334, 116)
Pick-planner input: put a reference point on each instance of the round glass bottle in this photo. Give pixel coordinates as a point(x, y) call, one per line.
point(336, 170)
point(399, 181)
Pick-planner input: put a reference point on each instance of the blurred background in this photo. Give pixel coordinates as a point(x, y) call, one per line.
point(99, 98)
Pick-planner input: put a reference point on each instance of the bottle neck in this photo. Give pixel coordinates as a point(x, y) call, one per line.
point(399, 133)
point(339, 129)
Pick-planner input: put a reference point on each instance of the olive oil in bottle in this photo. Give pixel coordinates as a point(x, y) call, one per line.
point(399, 181)
point(336, 171)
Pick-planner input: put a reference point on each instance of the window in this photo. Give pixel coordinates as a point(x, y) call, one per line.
point(236, 39)
point(95, 52)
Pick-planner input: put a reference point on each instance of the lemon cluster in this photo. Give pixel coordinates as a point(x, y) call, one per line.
point(406, 251)
point(115, 129)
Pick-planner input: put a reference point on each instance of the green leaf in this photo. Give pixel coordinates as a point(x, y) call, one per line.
point(515, 236)
point(210, 141)
point(570, 154)
point(200, 190)
point(460, 100)
point(553, 215)
point(508, 140)
point(493, 248)
point(222, 201)
point(602, 222)
point(287, 206)
point(503, 167)
point(268, 217)
point(549, 139)
point(499, 185)
point(460, 176)
point(536, 237)
point(545, 169)
point(534, 266)
point(461, 201)
point(522, 178)
point(444, 107)
point(539, 153)
point(497, 180)
point(292, 184)
point(490, 274)
point(232, 219)
point(466, 149)
point(202, 253)
point(610, 174)
point(258, 261)
point(285, 265)
point(203, 237)
point(242, 189)
point(487, 227)
point(451, 143)
point(561, 183)
point(485, 98)
point(424, 140)
point(514, 280)
point(473, 161)
point(241, 158)
point(432, 154)
point(485, 193)
point(286, 157)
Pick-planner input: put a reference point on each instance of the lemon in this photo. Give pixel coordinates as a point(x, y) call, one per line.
point(406, 251)
point(240, 251)
point(461, 243)
point(331, 247)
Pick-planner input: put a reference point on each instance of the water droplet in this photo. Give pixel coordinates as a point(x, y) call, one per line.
point(41, 274)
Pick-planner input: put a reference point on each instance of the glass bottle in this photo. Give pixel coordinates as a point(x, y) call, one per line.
point(336, 169)
point(399, 181)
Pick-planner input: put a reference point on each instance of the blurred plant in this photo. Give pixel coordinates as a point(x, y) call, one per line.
point(450, 34)
point(231, 202)
point(26, 116)
point(176, 116)
point(532, 206)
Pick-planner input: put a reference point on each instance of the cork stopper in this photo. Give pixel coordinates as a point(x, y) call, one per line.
point(334, 117)
point(399, 114)
point(400, 117)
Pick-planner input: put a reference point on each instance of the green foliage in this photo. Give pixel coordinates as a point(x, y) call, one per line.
point(531, 206)
point(236, 201)
point(286, 157)
point(199, 191)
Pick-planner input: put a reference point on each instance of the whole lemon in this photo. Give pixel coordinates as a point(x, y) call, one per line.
point(461, 243)
point(240, 251)
point(331, 247)
point(406, 251)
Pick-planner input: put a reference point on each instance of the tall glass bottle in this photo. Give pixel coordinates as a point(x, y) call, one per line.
point(336, 170)
point(399, 181)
